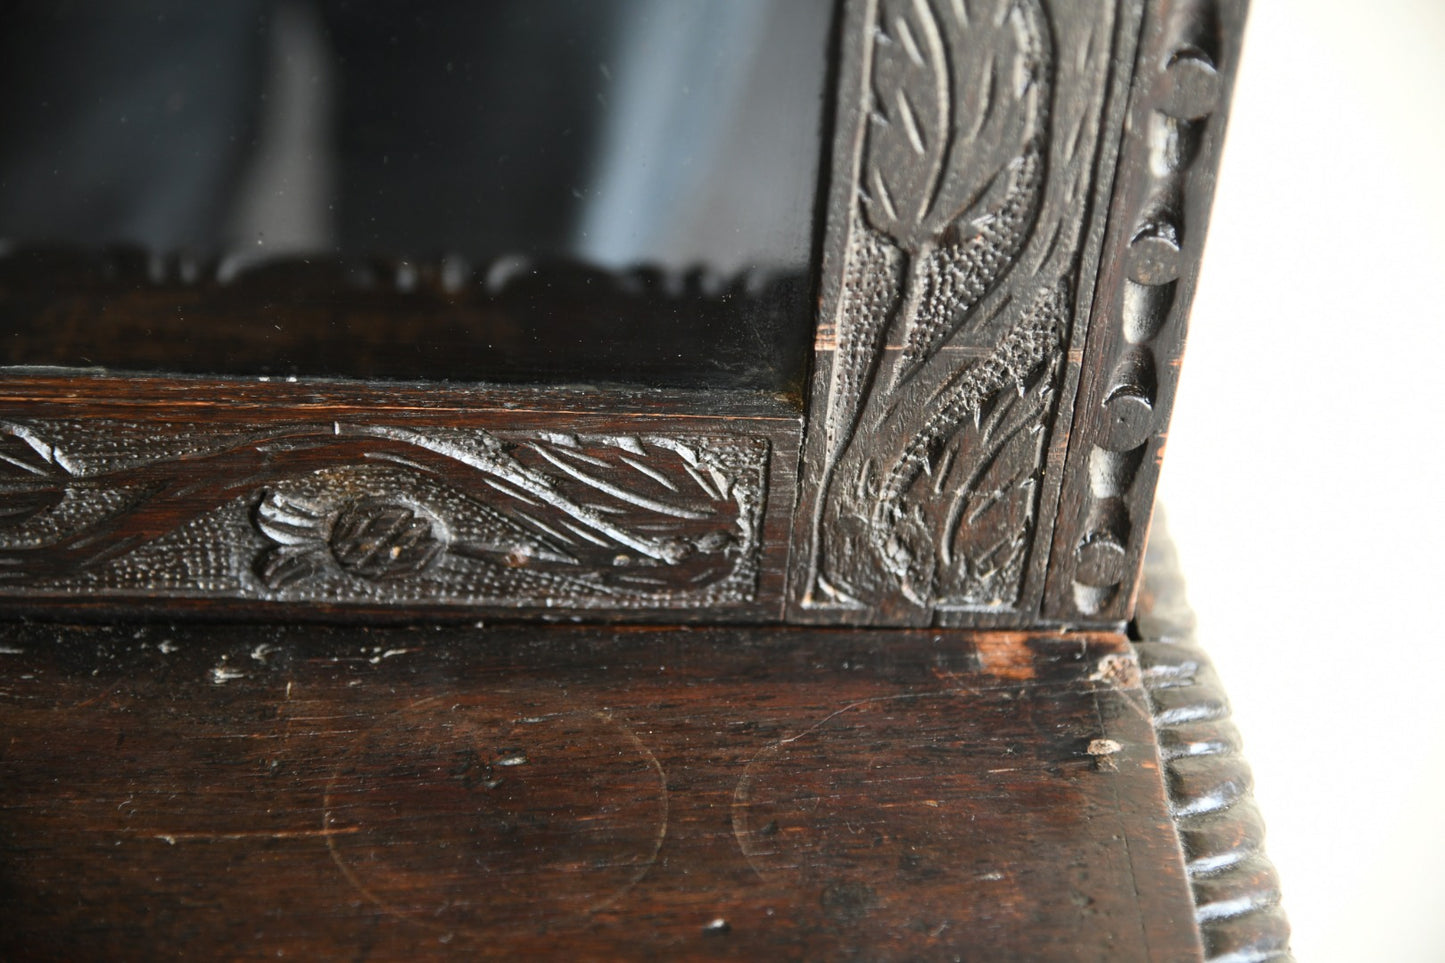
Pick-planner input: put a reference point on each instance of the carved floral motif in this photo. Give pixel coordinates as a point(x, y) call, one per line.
point(382, 514)
point(366, 538)
point(952, 313)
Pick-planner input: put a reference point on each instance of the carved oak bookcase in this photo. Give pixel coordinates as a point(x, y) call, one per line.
point(923, 706)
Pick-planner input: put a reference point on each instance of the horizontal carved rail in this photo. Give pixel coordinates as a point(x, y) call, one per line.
point(404, 500)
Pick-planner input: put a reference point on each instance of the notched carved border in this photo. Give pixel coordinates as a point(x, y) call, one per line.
point(351, 512)
point(1236, 890)
point(1159, 215)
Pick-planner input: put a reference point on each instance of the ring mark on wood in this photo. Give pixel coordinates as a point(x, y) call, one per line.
point(466, 813)
point(835, 809)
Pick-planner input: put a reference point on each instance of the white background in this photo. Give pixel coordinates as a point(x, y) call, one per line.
point(1303, 480)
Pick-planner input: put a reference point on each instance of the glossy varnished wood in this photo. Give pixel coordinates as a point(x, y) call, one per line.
point(257, 792)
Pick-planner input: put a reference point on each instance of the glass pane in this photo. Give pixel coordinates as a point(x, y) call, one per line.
point(456, 149)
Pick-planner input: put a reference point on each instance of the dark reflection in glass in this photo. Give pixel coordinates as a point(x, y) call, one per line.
point(465, 155)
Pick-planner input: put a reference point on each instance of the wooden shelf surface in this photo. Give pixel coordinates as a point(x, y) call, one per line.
point(585, 793)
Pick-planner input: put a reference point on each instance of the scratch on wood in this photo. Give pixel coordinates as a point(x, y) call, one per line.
point(174, 838)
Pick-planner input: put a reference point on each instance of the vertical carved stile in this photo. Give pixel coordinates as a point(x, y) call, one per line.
point(969, 142)
point(1160, 210)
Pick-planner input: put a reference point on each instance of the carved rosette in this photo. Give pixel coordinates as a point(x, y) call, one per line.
point(952, 276)
point(368, 538)
point(381, 514)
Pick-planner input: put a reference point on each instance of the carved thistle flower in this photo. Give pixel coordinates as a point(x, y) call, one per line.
point(368, 538)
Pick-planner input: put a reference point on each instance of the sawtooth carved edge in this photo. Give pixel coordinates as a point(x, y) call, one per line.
point(1236, 890)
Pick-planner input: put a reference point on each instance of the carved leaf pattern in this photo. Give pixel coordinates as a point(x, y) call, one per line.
point(959, 95)
point(665, 503)
point(931, 484)
point(948, 282)
point(31, 483)
point(974, 467)
point(547, 516)
point(980, 208)
point(1026, 346)
point(623, 514)
point(906, 150)
point(947, 520)
point(952, 177)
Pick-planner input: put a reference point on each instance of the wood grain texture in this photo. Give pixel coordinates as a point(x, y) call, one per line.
point(1159, 214)
point(1236, 890)
point(973, 155)
point(290, 498)
point(557, 792)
